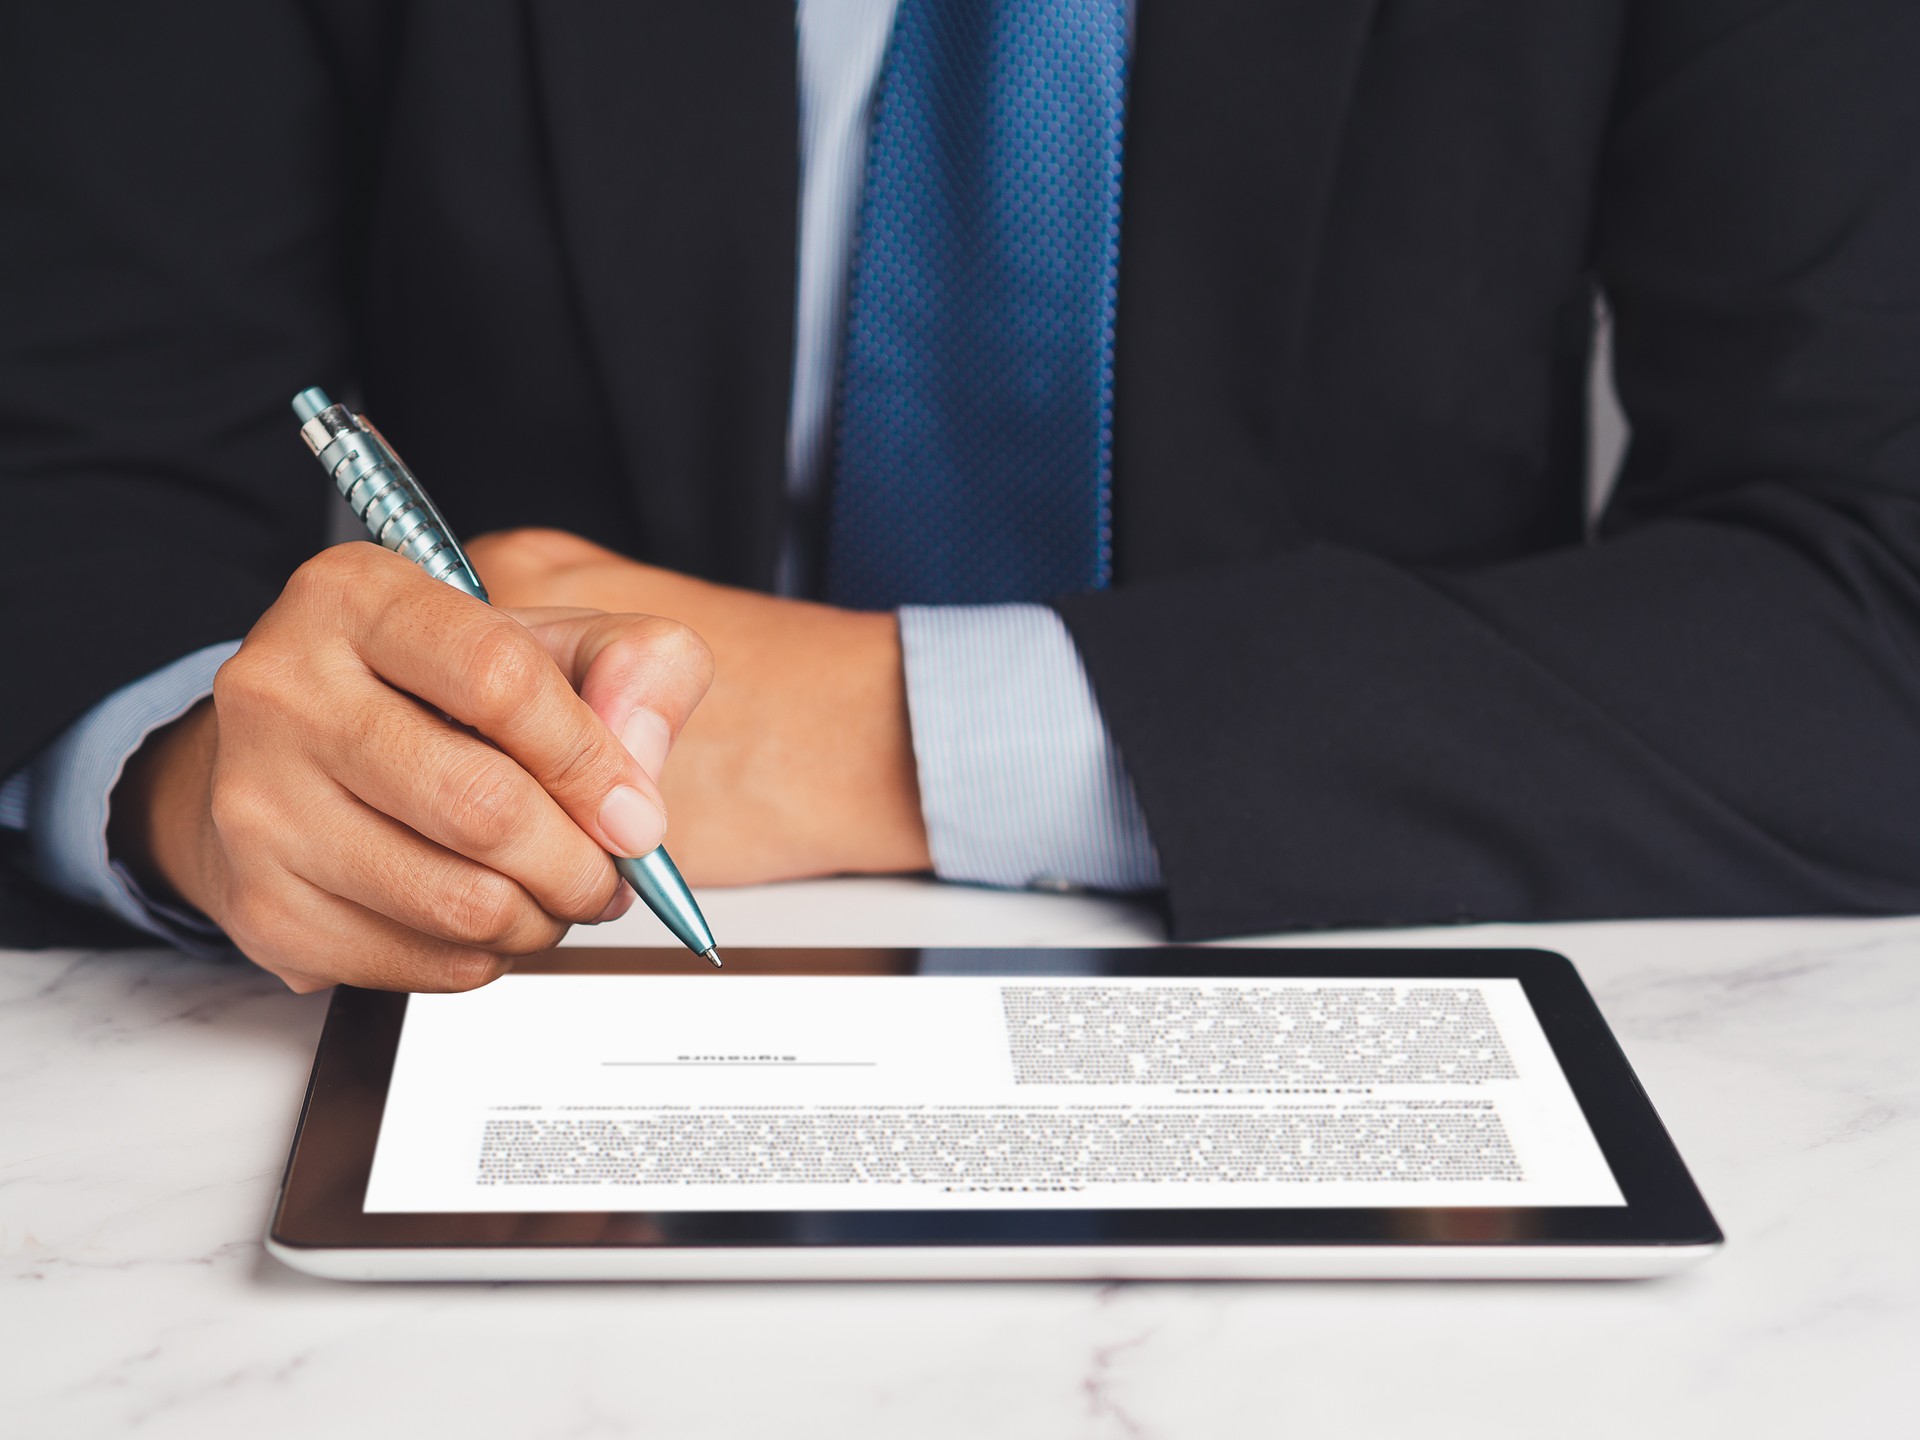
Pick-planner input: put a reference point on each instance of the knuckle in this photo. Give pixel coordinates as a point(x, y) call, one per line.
point(424, 966)
point(486, 909)
point(588, 766)
point(586, 890)
point(504, 665)
point(245, 682)
point(539, 545)
point(338, 570)
point(254, 920)
point(543, 932)
point(519, 539)
point(477, 803)
point(550, 934)
point(464, 970)
point(239, 810)
point(267, 684)
point(682, 648)
point(517, 564)
point(311, 577)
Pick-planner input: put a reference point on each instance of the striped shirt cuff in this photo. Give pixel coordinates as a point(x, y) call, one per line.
point(62, 798)
point(1020, 783)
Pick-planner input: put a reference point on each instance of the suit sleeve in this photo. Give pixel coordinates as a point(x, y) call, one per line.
point(1712, 710)
point(170, 251)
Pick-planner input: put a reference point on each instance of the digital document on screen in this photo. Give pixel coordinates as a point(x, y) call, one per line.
point(755, 1093)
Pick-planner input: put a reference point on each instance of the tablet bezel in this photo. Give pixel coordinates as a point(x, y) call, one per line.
point(323, 1190)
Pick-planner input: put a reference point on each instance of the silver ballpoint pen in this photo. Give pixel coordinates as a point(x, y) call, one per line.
point(387, 498)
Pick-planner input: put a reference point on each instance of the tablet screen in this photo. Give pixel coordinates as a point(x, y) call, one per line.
point(837, 1092)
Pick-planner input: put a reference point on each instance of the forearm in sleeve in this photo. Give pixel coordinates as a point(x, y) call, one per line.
point(1715, 708)
point(62, 799)
point(1020, 783)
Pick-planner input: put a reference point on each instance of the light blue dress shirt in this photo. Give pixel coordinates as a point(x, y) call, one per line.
point(1020, 784)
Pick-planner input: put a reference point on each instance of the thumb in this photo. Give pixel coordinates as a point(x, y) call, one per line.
point(641, 674)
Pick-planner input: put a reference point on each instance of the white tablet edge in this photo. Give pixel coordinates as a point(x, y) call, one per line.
point(1397, 1261)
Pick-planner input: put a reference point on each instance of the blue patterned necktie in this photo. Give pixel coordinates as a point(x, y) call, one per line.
point(976, 391)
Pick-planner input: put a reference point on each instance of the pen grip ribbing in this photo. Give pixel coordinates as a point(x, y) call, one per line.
point(394, 507)
point(382, 492)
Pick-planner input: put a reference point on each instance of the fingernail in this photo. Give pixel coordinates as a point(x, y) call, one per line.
point(621, 903)
point(646, 737)
point(633, 822)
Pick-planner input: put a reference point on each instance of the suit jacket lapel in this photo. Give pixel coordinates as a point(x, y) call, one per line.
point(1234, 119)
point(672, 131)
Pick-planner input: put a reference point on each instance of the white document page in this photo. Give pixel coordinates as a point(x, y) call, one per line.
point(704, 1092)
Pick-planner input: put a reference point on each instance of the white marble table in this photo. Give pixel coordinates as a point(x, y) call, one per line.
point(146, 1102)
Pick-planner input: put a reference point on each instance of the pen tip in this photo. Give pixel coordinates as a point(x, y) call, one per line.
point(712, 953)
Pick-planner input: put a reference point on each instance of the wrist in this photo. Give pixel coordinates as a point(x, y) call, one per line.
point(884, 832)
point(158, 816)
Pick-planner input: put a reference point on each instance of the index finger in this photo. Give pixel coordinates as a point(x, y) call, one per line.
point(484, 668)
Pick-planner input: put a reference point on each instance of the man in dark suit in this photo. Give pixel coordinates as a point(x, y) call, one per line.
point(1349, 643)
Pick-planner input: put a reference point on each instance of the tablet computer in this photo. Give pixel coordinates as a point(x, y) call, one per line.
point(986, 1114)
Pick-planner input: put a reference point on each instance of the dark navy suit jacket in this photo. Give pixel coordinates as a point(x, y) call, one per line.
point(1364, 660)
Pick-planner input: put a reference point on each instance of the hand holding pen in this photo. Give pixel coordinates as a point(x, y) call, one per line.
point(326, 816)
point(386, 497)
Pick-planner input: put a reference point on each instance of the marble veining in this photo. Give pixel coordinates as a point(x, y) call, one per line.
point(146, 1101)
